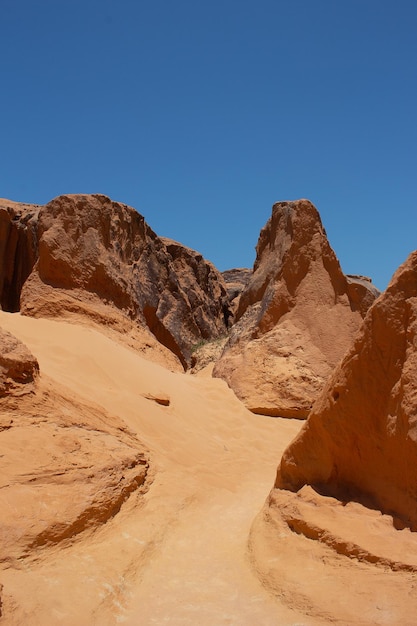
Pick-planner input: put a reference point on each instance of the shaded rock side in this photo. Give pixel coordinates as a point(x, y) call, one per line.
point(236, 281)
point(360, 440)
point(18, 249)
point(362, 292)
point(296, 318)
point(100, 259)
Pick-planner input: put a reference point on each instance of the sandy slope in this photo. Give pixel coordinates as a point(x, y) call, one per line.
point(177, 555)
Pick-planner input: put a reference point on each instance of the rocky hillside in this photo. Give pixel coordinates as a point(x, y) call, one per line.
point(85, 255)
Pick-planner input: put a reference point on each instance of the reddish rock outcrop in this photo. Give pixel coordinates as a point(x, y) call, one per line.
point(296, 318)
point(98, 258)
point(360, 440)
point(362, 292)
point(65, 466)
point(18, 367)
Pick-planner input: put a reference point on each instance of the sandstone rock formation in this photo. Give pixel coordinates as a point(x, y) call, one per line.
point(17, 249)
point(236, 281)
point(206, 353)
point(87, 255)
point(18, 367)
point(296, 318)
point(362, 292)
point(360, 440)
point(65, 465)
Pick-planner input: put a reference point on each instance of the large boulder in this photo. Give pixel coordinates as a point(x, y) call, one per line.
point(360, 440)
point(65, 465)
point(18, 367)
point(296, 318)
point(99, 259)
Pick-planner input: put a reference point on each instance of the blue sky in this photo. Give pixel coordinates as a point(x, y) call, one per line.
point(201, 115)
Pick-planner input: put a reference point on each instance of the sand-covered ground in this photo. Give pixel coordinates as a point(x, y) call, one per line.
point(178, 553)
point(184, 550)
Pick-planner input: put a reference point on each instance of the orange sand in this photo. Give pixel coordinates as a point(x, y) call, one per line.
point(178, 554)
point(186, 552)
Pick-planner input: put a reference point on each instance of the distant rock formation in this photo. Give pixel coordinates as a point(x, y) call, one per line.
point(236, 281)
point(362, 292)
point(360, 440)
point(87, 255)
point(296, 318)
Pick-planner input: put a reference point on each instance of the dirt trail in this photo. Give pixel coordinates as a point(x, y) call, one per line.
point(178, 554)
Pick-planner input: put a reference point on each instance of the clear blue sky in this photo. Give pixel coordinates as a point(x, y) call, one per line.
point(201, 115)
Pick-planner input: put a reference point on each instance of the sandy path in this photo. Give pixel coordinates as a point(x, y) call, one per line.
point(178, 555)
point(202, 574)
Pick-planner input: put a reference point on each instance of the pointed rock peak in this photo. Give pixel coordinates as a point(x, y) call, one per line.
point(292, 247)
point(296, 317)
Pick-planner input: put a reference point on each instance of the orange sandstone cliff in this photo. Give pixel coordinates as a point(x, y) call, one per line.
point(360, 440)
point(335, 534)
point(295, 319)
point(85, 255)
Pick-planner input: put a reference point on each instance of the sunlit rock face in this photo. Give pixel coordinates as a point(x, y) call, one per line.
point(296, 318)
point(65, 466)
point(360, 440)
point(87, 255)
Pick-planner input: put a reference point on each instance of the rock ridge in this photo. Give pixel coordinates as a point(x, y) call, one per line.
point(89, 256)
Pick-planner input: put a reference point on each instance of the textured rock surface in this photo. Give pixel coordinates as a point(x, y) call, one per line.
point(65, 465)
point(344, 563)
point(296, 318)
point(362, 292)
point(236, 281)
point(18, 367)
point(99, 258)
point(360, 441)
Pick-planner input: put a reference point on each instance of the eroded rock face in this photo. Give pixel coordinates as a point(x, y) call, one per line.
point(296, 318)
point(236, 281)
point(362, 292)
point(360, 440)
point(99, 258)
point(65, 466)
point(18, 367)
